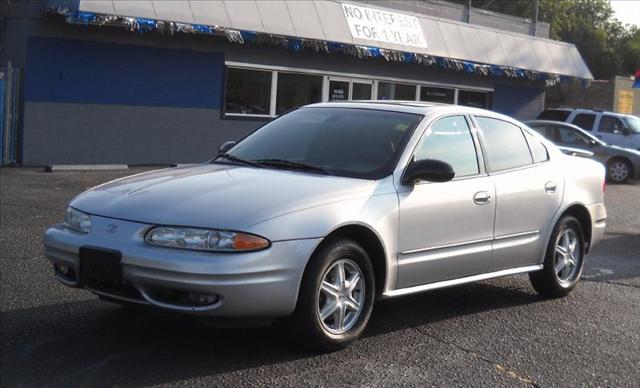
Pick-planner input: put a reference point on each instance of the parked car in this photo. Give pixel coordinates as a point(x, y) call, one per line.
point(621, 163)
point(613, 128)
point(327, 208)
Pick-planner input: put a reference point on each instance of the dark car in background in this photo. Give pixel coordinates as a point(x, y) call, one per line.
point(621, 163)
point(613, 128)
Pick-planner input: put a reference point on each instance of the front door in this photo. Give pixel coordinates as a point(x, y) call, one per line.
point(446, 229)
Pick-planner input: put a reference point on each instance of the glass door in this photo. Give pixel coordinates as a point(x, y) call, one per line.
point(344, 89)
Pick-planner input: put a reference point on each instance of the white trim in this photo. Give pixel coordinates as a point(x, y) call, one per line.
point(247, 115)
point(455, 282)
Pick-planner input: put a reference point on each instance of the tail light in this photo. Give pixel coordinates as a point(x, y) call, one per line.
point(604, 186)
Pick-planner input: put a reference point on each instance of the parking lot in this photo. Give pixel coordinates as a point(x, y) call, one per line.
point(496, 333)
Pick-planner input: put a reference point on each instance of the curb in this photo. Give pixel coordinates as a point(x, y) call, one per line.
point(85, 167)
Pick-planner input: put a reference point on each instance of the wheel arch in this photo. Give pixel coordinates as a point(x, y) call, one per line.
point(580, 212)
point(370, 242)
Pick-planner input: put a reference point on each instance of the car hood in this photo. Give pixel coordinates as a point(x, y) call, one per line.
point(216, 195)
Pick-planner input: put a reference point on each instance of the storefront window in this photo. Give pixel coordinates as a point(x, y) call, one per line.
point(394, 91)
point(442, 95)
point(361, 91)
point(296, 90)
point(248, 91)
point(474, 99)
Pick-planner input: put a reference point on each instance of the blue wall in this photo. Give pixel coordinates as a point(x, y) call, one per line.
point(77, 71)
point(520, 102)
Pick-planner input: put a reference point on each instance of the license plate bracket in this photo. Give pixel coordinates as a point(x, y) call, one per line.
point(100, 268)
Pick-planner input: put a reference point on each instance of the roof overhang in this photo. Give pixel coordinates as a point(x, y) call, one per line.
point(327, 21)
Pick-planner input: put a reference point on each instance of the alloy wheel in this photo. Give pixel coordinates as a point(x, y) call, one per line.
point(568, 254)
point(341, 296)
point(619, 171)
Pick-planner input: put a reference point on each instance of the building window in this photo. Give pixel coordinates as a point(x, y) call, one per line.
point(394, 91)
point(296, 90)
point(443, 95)
point(248, 91)
point(338, 90)
point(474, 99)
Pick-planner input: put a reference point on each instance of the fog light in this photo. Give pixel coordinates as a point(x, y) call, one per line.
point(62, 268)
point(202, 299)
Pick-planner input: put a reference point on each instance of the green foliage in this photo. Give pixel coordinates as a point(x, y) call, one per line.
point(608, 47)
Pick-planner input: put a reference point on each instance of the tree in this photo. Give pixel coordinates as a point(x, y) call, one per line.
point(608, 47)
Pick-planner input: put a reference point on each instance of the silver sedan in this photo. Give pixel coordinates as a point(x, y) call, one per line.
point(325, 209)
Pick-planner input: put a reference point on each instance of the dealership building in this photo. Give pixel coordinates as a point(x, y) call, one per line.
point(161, 82)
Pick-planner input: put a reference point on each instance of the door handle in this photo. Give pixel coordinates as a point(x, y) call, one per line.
point(550, 187)
point(481, 198)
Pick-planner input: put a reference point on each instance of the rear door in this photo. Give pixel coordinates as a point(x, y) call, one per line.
point(528, 191)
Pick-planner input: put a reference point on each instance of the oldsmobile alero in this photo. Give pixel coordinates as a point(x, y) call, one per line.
point(322, 211)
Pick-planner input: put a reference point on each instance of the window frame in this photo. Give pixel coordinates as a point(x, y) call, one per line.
point(327, 76)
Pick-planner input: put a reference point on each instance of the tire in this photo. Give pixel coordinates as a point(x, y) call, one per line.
point(619, 170)
point(329, 334)
point(551, 282)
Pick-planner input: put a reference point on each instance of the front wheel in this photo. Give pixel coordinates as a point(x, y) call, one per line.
point(563, 262)
point(336, 295)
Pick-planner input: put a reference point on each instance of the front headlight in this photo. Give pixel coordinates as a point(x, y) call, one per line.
point(204, 239)
point(77, 220)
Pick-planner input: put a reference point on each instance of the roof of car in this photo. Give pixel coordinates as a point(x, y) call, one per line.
point(418, 107)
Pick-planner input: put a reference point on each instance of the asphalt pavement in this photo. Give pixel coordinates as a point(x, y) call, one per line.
point(494, 333)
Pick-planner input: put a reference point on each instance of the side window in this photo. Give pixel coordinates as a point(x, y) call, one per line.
point(449, 139)
point(572, 137)
point(610, 124)
point(538, 150)
point(584, 121)
point(506, 145)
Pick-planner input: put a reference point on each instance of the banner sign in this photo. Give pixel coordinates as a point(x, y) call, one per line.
point(383, 26)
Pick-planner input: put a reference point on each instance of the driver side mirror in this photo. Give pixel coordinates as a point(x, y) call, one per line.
point(626, 131)
point(429, 170)
point(226, 146)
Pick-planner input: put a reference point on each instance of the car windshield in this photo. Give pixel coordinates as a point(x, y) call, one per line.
point(633, 123)
point(358, 143)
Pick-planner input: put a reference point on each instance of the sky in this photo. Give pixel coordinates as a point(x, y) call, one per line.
point(627, 11)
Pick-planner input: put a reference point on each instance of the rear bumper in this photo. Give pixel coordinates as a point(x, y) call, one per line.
point(598, 214)
point(254, 284)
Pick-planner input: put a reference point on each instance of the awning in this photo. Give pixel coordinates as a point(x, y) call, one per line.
point(359, 24)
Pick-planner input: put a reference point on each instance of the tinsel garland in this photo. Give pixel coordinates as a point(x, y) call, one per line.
point(142, 25)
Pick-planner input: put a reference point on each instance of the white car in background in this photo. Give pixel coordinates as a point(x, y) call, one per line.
point(612, 128)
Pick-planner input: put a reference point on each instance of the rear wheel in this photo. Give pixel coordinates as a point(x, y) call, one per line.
point(336, 296)
point(563, 262)
point(619, 170)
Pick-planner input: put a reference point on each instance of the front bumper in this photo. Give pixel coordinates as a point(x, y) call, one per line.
point(251, 284)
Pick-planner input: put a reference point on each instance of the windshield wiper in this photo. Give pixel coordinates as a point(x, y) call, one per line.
point(238, 160)
point(288, 164)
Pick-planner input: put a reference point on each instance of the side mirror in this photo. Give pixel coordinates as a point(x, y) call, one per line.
point(626, 131)
point(226, 146)
point(430, 170)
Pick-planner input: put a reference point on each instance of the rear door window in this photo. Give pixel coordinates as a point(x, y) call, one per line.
point(554, 115)
point(505, 143)
point(584, 121)
point(538, 150)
